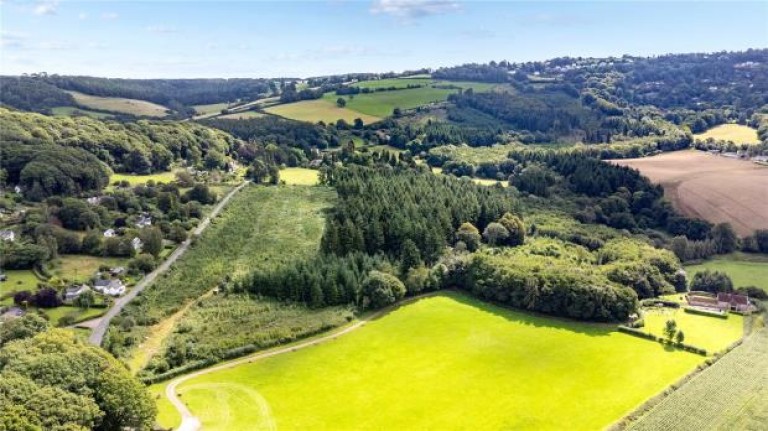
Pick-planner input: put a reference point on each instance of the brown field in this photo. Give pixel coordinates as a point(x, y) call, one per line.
point(714, 188)
point(120, 104)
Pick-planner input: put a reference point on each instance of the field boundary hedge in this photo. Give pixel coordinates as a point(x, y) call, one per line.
point(648, 336)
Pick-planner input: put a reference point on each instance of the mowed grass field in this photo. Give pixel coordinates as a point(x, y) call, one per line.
point(300, 176)
point(323, 109)
point(714, 188)
point(711, 333)
point(18, 280)
point(120, 104)
point(731, 132)
point(444, 362)
point(744, 269)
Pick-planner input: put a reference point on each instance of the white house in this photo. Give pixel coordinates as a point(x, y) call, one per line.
point(137, 244)
point(144, 221)
point(94, 200)
point(109, 233)
point(111, 287)
point(7, 235)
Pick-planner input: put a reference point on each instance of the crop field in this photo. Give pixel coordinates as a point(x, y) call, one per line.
point(711, 333)
point(69, 111)
point(323, 109)
point(732, 394)
point(744, 269)
point(300, 176)
point(135, 180)
point(714, 188)
point(486, 367)
point(119, 104)
point(261, 227)
point(731, 132)
point(80, 267)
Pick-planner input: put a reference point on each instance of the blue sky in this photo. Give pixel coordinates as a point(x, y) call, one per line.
point(186, 39)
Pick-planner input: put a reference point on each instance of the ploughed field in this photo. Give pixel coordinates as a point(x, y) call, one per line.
point(443, 362)
point(714, 188)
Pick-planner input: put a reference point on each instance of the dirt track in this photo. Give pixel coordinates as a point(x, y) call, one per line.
point(711, 187)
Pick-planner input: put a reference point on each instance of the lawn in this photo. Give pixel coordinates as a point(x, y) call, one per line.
point(744, 269)
point(80, 267)
point(324, 109)
point(135, 180)
point(18, 279)
point(69, 111)
point(711, 333)
point(120, 104)
point(731, 132)
point(299, 176)
point(444, 362)
point(76, 313)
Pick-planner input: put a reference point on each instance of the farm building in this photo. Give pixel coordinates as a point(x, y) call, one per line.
point(734, 301)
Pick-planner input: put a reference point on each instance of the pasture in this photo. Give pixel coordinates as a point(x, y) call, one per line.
point(140, 108)
point(381, 104)
point(714, 188)
point(300, 176)
point(69, 111)
point(711, 333)
point(483, 366)
point(243, 115)
point(324, 109)
point(736, 133)
point(135, 180)
point(209, 110)
point(18, 280)
point(744, 269)
point(732, 394)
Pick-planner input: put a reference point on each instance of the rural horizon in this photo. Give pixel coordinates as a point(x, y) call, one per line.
point(383, 214)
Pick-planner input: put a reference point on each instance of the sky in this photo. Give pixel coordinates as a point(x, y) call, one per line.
point(259, 39)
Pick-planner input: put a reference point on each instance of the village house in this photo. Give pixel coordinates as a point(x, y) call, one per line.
point(733, 302)
point(144, 221)
point(117, 271)
point(74, 292)
point(7, 235)
point(109, 233)
point(137, 244)
point(111, 287)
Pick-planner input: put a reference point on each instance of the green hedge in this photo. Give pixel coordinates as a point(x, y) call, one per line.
point(706, 313)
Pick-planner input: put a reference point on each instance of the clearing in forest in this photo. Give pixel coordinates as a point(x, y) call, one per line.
point(300, 176)
point(319, 110)
point(120, 104)
point(736, 133)
point(447, 361)
point(710, 187)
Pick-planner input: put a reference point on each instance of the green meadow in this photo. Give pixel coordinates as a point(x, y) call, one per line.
point(711, 333)
point(300, 176)
point(486, 367)
point(744, 269)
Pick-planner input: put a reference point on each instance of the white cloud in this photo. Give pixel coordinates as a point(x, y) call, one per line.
point(109, 15)
point(160, 29)
point(55, 45)
point(11, 40)
point(46, 7)
point(82, 16)
point(408, 10)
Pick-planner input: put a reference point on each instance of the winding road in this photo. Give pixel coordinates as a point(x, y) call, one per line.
point(190, 423)
point(97, 335)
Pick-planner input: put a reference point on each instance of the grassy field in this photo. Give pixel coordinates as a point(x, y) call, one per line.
point(744, 269)
point(120, 104)
point(324, 109)
point(208, 110)
point(476, 155)
point(732, 394)
point(710, 333)
point(18, 280)
point(75, 313)
point(134, 180)
point(242, 115)
point(381, 104)
point(299, 176)
point(80, 267)
point(69, 111)
point(731, 132)
point(393, 82)
point(444, 362)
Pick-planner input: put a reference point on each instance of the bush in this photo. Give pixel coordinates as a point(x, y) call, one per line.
point(712, 281)
point(382, 289)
